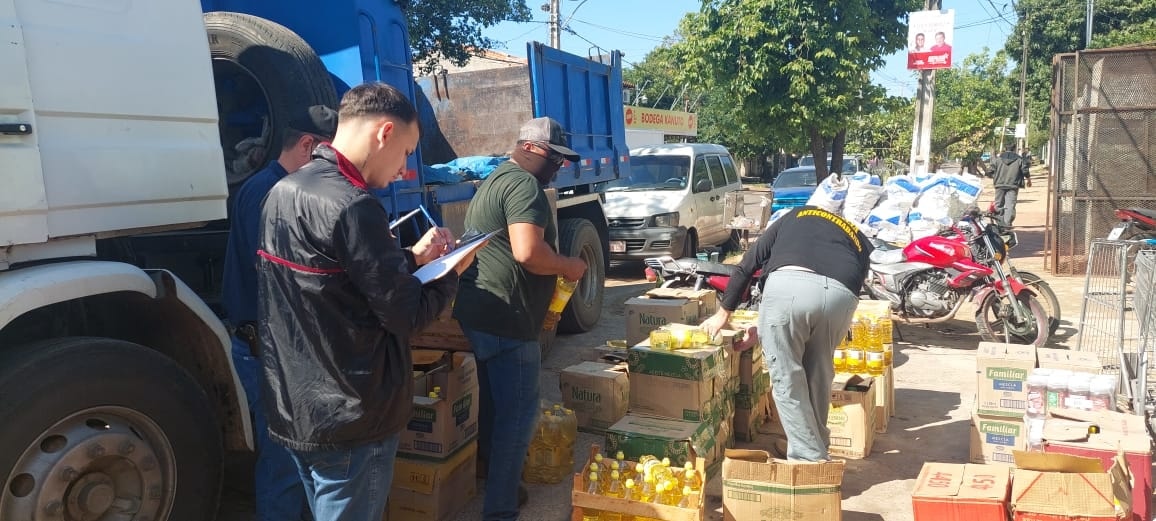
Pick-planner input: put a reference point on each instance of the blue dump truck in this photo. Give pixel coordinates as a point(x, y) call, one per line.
point(125, 127)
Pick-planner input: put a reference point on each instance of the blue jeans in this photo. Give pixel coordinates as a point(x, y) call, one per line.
point(508, 372)
point(802, 318)
point(350, 484)
point(279, 493)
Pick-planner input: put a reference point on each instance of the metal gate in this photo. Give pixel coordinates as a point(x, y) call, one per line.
point(1103, 153)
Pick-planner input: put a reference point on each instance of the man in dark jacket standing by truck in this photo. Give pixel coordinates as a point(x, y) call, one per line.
point(1009, 174)
point(278, 490)
point(338, 304)
point(503, 299)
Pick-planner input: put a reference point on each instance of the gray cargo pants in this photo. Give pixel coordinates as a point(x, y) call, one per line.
point(1005, 204)
point(802, 318)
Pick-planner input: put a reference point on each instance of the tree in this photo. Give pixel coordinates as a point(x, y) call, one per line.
point(452, 29)
point(971, 99)
point(1056, 27)
point(883, 128)
point(795, 68)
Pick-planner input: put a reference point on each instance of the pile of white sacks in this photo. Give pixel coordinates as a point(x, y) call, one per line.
point(904, 208)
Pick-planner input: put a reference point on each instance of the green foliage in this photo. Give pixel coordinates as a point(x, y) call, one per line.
point(883, 129)
point(971, 99)
point(793, 69)
point(1058, 26)
point(452, 29)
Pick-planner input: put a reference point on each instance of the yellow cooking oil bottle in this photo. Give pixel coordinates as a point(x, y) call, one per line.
point(540, 465)
point(563, 290)
point(589, 514)
point(840, 357)
point(855, 353)
point(693, 479)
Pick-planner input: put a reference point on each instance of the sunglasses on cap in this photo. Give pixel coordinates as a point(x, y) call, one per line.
point(551, 154)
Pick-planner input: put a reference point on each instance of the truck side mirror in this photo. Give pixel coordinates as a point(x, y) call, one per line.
point(703, 185)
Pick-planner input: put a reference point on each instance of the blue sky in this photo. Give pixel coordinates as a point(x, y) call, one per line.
point(637, 26)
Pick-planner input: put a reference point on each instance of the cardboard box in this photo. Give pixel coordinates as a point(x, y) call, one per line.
point(433, 490)
point(593, 504)
point(1057, 487)
point(598, 393)
point(758, 488)
point(952, 492)
point(444, 333)
point(684, 364)
point(439, 427)
point(884, 400)
point(691, 400)
point(706, 299)
point(1067, 433)
point(995, 438)
point(748, 394)
point(1075, 361)
point(851, 418)
point(644, 315)
point(637, 435)
point(1002, 371)
point(748, 421)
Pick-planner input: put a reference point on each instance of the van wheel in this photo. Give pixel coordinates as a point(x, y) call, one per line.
point(690, 246)
point(579, 238)
point(96, 428)
point(263, 74)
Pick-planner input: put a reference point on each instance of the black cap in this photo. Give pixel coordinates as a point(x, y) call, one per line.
point(318, 119)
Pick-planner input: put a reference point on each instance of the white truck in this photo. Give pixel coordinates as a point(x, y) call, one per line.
point(120, 122)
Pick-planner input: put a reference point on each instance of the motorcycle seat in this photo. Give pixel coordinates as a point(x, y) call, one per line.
point(707, 267)
point(1145, 212)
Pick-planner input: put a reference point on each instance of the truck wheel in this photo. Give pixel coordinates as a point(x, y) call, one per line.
point(579, 238)
point(98, 428)
point(263, 74)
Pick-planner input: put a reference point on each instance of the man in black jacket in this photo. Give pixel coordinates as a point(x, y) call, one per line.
point(338, 304)
point(1009, 174)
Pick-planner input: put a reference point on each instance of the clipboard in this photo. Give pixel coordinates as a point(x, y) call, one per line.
point(444, 264)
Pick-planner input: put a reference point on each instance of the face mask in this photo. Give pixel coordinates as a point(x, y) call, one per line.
point(542, 168)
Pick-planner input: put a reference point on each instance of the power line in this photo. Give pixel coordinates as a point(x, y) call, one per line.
point(532, 29)
point(624, 32)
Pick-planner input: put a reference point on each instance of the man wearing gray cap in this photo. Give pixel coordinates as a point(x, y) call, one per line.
point(502, 300)
point(278, 489)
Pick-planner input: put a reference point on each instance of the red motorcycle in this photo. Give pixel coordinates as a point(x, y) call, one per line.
point(928, 280)
point(693, 273)
point(1135, 224)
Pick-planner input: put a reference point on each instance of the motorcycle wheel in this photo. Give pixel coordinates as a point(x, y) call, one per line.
point(996, 321)
point(1046, 296)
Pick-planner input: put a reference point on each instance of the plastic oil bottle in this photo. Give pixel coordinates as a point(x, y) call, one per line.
point(840, 358)
point(567, 436)
point(563, 290)
point(693, 479)
point(856, 358)
point(874, 349)
point(589, 514)
point(545, 454)
point(614, 488)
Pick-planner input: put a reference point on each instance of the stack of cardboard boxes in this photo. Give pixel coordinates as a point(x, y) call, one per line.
point(997, 425)
point(435, 470)
point(680, 402)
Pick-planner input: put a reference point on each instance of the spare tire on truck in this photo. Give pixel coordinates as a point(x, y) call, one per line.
point(263, 73)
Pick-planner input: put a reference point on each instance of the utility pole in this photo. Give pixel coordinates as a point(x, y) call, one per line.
point(1024, 80)
point(924, 108)
point(555, 24)
point(1088, 17)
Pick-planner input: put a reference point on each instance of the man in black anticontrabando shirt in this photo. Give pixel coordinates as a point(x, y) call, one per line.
point(815, 263)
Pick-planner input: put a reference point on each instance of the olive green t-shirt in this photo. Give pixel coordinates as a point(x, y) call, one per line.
point(497, 295)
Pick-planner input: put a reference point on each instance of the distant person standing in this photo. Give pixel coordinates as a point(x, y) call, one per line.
point(1009, 174)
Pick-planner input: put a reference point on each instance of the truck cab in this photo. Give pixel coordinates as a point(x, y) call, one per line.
point(124, 129)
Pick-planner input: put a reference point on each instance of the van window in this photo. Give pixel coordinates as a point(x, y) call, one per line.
point(653, 172)
point(716, 171)
point(700, 172)
point(729, 168)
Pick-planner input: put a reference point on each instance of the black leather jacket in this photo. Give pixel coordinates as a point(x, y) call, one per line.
point(337, 306)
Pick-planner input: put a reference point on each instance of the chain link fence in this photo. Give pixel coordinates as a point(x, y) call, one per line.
point(1103, 153)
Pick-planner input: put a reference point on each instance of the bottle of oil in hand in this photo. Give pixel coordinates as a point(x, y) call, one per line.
point(563, 290)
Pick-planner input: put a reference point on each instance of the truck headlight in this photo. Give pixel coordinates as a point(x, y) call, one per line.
point(666, 220)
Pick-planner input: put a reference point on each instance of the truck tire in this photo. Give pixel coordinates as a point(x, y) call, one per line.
point(96, 426)
point(263, 74)
point(579, 238)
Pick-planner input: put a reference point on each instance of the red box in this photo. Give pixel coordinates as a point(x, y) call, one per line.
point(1067, 433)
point(954, 492)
